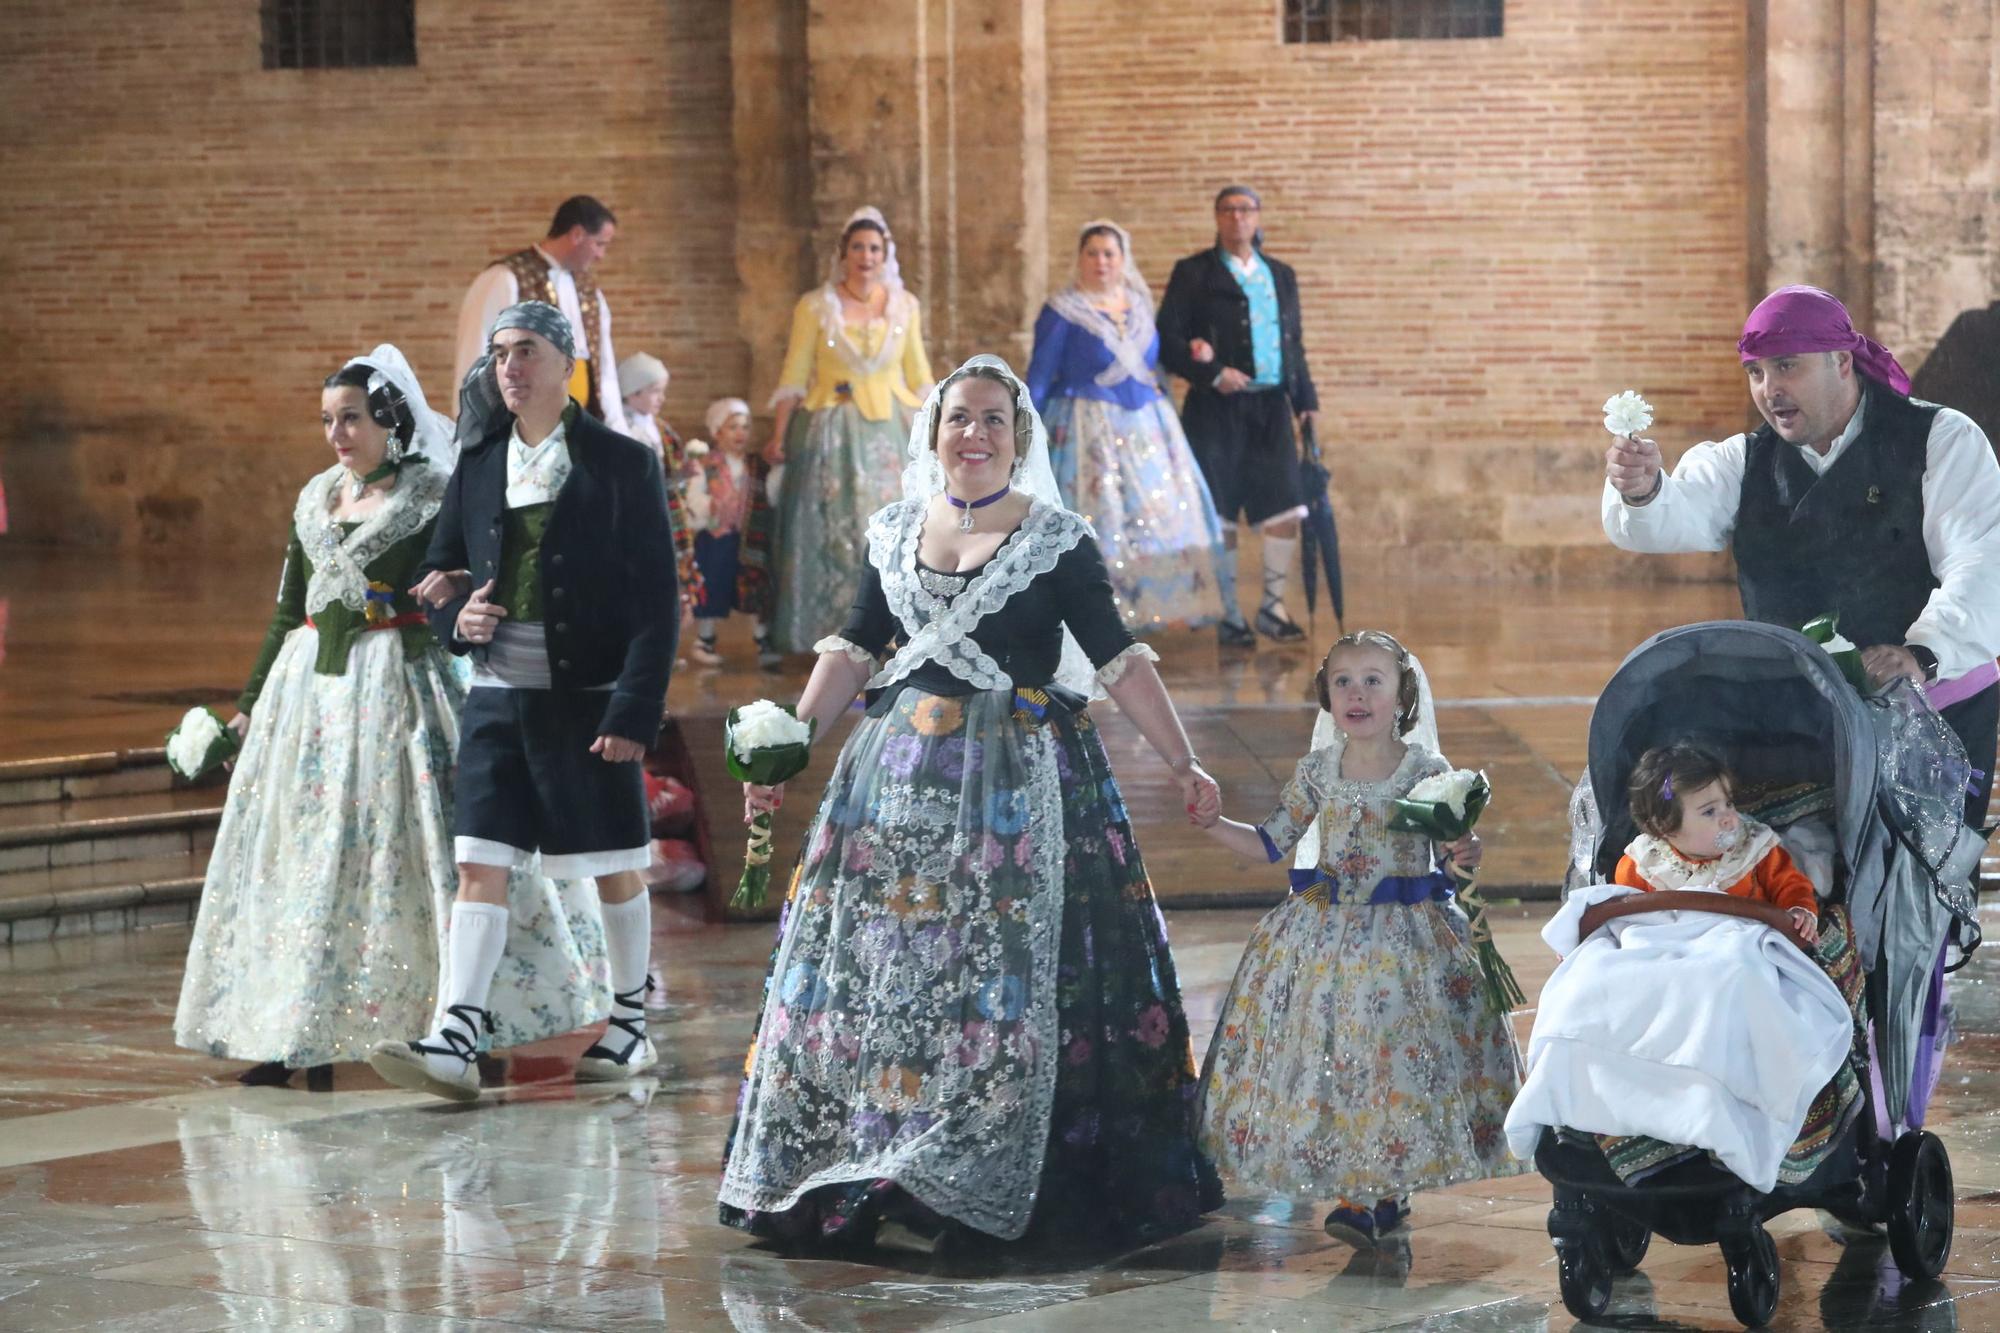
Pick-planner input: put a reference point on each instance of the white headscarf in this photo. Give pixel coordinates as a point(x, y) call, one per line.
point(434, 438)
point(923, 478)
point(1130, 342)
point(1326, 732)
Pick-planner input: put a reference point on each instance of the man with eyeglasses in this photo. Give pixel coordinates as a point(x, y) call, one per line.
point(1230, 327)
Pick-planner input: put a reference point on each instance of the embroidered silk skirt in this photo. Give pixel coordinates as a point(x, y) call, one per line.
point(1129, 471)
point(323, 915)
point(972, 1012)
point(840, 468)
point(1355, 1057)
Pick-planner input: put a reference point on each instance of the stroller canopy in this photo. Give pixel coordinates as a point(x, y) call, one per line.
point(1767, 697)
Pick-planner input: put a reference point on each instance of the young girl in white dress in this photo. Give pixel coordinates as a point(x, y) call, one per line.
point(1355, 1058)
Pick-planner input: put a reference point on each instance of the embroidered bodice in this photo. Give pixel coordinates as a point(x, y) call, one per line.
point(1357, 847)
point(995, 627)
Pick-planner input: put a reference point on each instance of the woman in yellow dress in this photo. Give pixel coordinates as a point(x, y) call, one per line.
point(855, 373)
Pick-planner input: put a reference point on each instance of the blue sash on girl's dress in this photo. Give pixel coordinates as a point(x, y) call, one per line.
point(1408, 890)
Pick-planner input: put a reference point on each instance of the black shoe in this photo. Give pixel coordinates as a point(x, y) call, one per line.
point(602, 1064)
point(270, 1074)
point(1278, 630)
point(1234, 634)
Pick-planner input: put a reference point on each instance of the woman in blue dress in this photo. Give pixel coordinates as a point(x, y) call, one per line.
point(1119, 454)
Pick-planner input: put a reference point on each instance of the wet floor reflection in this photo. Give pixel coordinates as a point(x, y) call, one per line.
point(547, 1206)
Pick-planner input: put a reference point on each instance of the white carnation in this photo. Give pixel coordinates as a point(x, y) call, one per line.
point(696, 448)
point(191, 742)
point(1450, 788)
point(1627, 413)
point(764, 726)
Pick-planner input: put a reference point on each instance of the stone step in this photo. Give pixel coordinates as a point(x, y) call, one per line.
point(49, 835)
point(103, 896)
point(82, 777)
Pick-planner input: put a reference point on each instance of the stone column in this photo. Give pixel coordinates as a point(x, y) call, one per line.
point(771, 132)
point(1811, 139)
point(936, 112)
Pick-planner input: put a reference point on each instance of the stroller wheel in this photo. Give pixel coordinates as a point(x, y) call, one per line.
point(1920, 1204)
point(1753, 1278)
point(1625, 1245)
point(1585, 1278)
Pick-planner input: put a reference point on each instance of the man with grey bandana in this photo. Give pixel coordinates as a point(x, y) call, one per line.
point(552, 567)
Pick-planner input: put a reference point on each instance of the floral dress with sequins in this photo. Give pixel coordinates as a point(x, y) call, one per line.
point(1355, 1056)
point(972, 1015)
point(322, 918)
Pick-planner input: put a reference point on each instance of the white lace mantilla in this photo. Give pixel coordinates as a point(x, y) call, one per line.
point(941, 632)
point(1664, 868)
point(338, 563)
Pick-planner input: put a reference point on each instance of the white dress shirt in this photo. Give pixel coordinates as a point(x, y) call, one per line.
point(1696, 511)
point(496, 288)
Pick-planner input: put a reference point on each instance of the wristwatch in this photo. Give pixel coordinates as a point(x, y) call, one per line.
point(1925, 659)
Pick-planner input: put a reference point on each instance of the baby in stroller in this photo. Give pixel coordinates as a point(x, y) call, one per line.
point(1683, 798)
point(1699, 1066)
point(1692, 1029)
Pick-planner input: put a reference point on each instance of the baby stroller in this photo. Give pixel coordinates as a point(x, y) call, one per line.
point(1886, 779)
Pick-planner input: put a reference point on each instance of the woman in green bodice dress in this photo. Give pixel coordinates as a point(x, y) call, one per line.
point(330, 884)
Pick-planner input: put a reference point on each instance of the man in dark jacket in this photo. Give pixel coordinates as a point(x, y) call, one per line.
point(1229, 326)
point(552, 566)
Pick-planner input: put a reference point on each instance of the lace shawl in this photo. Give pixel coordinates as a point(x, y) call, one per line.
point(339, 563)
point(941, 632)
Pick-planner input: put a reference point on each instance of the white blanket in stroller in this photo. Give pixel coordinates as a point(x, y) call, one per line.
point(1688, 1027)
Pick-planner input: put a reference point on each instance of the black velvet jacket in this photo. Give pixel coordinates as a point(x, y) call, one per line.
point(1203, 300)
point(606, 566)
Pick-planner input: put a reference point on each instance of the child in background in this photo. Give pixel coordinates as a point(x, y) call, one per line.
point(1691, 837)
point(644, 380)
point(1355, 1057)
point(731, 517)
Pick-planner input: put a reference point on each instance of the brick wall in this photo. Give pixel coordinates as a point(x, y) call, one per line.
point(193, 243)
point(1491, 236)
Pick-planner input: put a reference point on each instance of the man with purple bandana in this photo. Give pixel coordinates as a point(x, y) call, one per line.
point(1853, 499)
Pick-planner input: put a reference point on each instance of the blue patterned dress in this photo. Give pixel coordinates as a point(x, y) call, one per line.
point(1123, 462)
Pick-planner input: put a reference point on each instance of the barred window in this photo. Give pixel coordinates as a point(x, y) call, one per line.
point(338, 34)
point(1390, 20)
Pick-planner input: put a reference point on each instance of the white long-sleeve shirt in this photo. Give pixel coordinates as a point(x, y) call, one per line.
point(1696, 511)
point(496, 288)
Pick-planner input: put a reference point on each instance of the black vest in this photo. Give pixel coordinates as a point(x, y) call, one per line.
point(1850, 542)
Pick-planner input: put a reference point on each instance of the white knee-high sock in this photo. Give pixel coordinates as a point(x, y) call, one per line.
point(1277, 568)
point(628, 944)
point(473, 949)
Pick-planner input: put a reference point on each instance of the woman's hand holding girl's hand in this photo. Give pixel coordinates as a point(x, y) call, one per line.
point(1465, 853)
point(761, 800)
point(1806, 924)
point(240, 724)
point(1200, 350)
point(1201, 795)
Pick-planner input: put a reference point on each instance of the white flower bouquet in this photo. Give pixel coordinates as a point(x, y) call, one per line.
point(200, 744)
point(764, 743)
point(697, 448)
point(1627, 413)
point(1444, 808)
point(1825, 631)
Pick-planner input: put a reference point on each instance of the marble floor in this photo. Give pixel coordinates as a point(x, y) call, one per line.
point(142, 1189)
